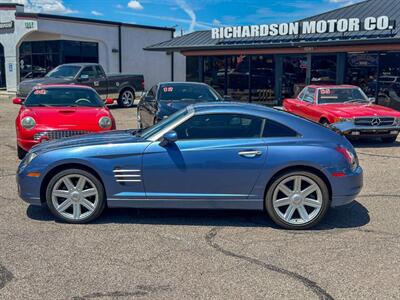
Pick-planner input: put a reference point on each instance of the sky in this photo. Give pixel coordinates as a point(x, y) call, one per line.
point(186, 15)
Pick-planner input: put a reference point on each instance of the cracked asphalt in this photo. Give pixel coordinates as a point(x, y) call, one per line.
point(162, 254)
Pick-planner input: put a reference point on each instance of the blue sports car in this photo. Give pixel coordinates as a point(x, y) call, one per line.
point(206, 156)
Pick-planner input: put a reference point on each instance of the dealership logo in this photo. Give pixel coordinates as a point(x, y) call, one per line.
point(376, 122)
point(7, 25)
point(304, 28)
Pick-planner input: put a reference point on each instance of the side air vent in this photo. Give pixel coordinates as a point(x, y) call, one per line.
point(127, 175)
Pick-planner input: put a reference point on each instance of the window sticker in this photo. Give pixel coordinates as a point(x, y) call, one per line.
point(325, 92)
point(40, 92)
point(168, 89)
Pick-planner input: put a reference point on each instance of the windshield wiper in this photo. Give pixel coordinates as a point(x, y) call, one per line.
point(356, 100)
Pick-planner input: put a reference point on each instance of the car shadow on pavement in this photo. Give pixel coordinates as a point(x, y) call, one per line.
point(350, 216)
point(374, 144)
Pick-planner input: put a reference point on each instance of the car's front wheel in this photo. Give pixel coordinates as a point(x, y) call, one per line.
point(297, 200)
point(75, 196)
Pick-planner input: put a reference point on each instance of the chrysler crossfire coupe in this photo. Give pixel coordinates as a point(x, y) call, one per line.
point(205, 156)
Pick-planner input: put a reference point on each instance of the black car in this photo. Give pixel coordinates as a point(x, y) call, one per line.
point(165, 98)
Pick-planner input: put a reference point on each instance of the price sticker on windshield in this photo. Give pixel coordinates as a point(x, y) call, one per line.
point(168, 89)
point(325, 92)
point(40, 92)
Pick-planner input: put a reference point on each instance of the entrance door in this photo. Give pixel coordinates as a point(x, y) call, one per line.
point(2, 68)
point(294, 75)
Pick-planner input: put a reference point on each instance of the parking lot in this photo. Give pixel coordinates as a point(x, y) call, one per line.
point(162, 254)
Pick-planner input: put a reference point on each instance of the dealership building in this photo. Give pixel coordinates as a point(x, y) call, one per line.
point(358, 44)
point(31, 44)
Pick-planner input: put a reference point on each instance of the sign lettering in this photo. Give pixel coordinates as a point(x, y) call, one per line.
point(304, 27)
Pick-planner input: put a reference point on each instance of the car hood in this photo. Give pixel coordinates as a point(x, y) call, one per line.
point(71, 118)
point(103, 138)
point(27, 85)
point(358, 110)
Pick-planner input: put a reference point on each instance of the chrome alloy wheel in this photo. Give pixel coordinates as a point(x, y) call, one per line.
point(297, 200)
point(127, 98)
point(75, 197)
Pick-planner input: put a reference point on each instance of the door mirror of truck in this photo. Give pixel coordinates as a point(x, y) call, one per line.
point(228, 98)
point(372, 100)
point(17, 101)
point(83, 77)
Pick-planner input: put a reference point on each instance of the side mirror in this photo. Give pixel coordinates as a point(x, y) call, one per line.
point(17, 101)
point(228, 98)
point(109, 101)
point(83, 77)
point(169, 138)
point(371, 100)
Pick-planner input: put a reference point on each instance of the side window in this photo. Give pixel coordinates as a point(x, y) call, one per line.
point(88, 72)
point(220, 126)
point(274, 129)
point(301, 95)
point(100, 72)
point(152, 92)
point(309, 95)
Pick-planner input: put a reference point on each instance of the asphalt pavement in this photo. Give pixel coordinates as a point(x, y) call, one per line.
point(180, 254)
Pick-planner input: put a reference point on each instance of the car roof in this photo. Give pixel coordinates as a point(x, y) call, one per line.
point(80, 64)
point(54, 86)
point(331, 86)
point(238, 107)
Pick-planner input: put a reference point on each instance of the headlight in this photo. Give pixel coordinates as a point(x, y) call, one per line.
point(28, 123)
point(396, 122)
point(105, 122)
point(29, 158)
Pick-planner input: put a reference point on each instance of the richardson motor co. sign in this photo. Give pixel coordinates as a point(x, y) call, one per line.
point(304, 27)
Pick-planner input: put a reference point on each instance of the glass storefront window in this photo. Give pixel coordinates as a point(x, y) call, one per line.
point(294, 75)
point(362, 71)
point(192, 68)
point(238, 72)
point(323, 69)
point(389, 80)
point(214, 72)
point(37, 58)
point(263, 79)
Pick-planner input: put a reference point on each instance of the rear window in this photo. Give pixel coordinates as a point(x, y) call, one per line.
point(63, 97)
point(196, 92)
point(273, 129)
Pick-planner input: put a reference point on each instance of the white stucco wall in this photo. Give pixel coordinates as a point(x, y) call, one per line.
point(155, 66)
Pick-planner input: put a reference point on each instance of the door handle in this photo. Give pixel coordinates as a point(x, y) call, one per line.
point(250, 154)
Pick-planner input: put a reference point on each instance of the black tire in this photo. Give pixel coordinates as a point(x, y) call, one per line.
point(99, 186)
point(326, 202)
point(122, 102)
point(324, 122)
point(21, 152)
point(389, 140)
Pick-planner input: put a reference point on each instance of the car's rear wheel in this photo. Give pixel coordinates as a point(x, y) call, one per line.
point(297, 200)
point(75, 196)
point(21, 152)
point(126, 98)
point(389, 140)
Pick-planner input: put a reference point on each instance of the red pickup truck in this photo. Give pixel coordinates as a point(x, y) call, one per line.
point(346, 103)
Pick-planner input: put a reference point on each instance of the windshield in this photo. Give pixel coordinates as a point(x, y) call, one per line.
point(163, 124)
point(341, 95)
point(196, 92)
point(63, 97)
point(64, 72)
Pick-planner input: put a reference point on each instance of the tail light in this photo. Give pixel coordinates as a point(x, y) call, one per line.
point(143, 84)
point(349, 156)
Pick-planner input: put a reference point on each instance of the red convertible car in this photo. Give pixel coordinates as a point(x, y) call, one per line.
point(346, 103)
point(59, 111)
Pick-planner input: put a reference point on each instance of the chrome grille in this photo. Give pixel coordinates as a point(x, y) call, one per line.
point(57, 134)
point(374, 121)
